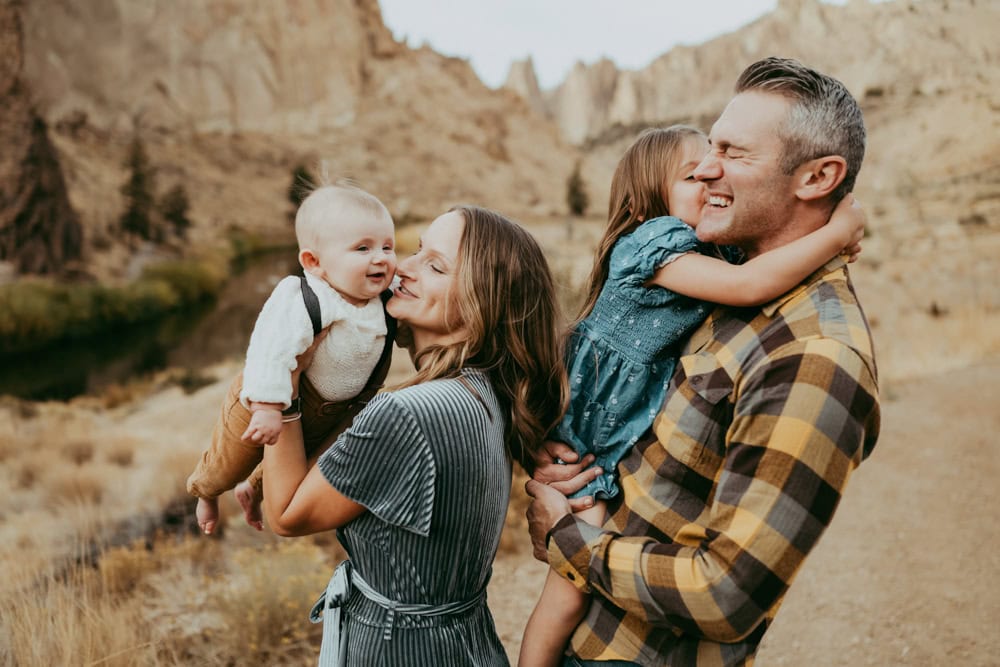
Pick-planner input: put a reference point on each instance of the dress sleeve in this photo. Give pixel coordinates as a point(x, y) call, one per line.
point(636, 257)
point(384, 462)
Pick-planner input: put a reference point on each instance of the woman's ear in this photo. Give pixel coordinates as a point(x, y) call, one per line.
point(310, 262)
point(820, 177)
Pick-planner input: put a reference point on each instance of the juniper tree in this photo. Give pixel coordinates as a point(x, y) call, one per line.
point(576, 193)
point(138, 192)
point(174, 208)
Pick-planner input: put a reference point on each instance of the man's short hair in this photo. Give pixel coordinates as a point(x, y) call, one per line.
point(825, 119)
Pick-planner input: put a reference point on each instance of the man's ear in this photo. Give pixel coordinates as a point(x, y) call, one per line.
point(818, 178)
point(309, 261)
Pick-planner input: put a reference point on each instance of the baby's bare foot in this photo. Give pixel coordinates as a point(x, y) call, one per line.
point(250, 502)
point(207, 513)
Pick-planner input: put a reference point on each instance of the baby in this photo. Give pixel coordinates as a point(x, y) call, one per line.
point(347, 251)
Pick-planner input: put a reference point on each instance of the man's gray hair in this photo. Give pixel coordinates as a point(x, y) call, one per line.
point(825, 119)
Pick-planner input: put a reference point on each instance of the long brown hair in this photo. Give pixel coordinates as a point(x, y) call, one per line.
point(638, 193)
point(505, 300)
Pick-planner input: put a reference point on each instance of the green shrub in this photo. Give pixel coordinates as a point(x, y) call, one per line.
point(35, 312)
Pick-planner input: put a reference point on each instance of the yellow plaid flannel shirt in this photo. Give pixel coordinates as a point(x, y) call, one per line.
point(769, 412)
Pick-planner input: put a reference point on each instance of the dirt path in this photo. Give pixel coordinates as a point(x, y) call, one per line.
point(908, 572)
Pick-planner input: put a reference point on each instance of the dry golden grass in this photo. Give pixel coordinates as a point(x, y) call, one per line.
point(120, 451)
point(78, 451)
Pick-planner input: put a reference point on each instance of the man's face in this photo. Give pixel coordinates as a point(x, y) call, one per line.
point(749, 198)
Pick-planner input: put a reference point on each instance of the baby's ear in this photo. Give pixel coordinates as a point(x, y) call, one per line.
point(309, 260)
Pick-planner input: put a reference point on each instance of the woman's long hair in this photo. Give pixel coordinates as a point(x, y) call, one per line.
point(638, 193)
point(505, 300)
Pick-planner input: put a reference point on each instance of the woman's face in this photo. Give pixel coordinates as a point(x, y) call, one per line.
point(425, 296)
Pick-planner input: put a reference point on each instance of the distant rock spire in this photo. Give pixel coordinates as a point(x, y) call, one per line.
point(521, 79)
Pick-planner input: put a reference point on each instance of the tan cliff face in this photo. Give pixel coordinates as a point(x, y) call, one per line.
point(926, 75)
point(229, 96)
point(888, 49)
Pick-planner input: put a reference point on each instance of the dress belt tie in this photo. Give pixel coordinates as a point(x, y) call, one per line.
point(328, 611)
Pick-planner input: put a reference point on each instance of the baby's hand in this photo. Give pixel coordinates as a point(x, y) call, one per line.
point(849, 220)
point(265, 426)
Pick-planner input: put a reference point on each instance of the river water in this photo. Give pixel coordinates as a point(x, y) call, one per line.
point(190, 339)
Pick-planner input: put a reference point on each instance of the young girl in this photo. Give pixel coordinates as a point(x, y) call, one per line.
point(652, 284)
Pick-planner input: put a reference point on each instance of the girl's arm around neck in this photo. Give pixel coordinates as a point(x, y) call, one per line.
point(769, 275)
point(298, 499)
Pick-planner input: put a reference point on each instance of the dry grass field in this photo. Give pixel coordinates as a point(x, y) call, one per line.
point(102, 566)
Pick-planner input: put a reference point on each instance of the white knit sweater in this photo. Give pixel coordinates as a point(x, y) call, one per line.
point(344, 360)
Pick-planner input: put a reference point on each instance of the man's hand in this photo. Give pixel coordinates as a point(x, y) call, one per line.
point(546, 508)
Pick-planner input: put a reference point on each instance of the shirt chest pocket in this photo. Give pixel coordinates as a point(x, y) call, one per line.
point(702, 411)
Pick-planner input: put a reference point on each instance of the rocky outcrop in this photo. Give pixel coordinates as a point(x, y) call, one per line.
point(885, 48)
point(521, 79)
point(230, 95)
point(224, 65)
point(39, 231)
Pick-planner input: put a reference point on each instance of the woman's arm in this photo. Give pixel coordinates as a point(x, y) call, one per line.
point(769, 275)
point(298, 499)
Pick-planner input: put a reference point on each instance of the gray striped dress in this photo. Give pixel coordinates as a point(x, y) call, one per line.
point(429, 464)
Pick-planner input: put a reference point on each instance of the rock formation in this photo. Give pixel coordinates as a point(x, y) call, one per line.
point(887, 48)
point(230, 95)
point(39, 231)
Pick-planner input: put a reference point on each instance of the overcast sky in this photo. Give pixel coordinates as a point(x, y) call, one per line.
point(557, 33)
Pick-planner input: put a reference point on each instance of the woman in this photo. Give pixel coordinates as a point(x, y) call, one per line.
point(419, 485)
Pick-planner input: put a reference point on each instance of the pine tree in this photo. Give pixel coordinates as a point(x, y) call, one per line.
point(576, 193)
point(174, 208)
point(138, 192)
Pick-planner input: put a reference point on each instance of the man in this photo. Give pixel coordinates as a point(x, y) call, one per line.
point(769, 411)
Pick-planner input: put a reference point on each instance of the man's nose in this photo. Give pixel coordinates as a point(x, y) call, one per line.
point(708, 169)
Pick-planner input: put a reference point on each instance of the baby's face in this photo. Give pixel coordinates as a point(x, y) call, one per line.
point(357, 256)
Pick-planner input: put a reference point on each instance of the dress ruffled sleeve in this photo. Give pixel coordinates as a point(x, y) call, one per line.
point(636, 257)
point(384, 462)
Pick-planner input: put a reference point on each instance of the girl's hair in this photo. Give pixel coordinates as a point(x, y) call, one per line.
point(638, 193)
point(505, 300)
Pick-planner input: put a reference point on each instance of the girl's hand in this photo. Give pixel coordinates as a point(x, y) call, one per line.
point(849, 220)
point(556, 465)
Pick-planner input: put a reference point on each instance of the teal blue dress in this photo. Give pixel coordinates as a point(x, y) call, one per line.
point(621, 357)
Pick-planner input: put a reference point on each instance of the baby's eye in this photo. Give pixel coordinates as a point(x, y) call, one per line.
point(387, 248)
point(362, 248)
point(436, 269)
